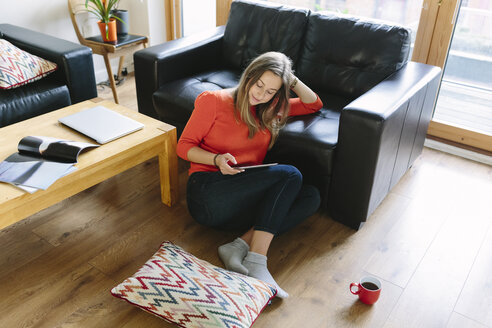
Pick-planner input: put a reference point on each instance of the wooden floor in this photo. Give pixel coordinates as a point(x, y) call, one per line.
point(430, 242)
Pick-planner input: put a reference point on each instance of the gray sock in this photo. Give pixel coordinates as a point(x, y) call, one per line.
point(257, 267)
point(233, 253)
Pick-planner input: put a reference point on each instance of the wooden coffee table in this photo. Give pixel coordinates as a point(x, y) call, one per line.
point(94, 165)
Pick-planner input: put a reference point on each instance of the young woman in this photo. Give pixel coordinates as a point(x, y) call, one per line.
point(236, 127)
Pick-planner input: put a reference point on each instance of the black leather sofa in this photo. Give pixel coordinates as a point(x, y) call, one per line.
point(72, 82)
point(377, 105)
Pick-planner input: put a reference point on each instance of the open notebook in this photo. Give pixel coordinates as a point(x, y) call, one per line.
point(101, 124)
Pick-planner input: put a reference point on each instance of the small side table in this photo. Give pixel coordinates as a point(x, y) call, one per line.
point(124, 46)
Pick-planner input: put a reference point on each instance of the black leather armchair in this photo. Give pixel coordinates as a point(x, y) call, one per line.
point(72, 82)
point(377, 105)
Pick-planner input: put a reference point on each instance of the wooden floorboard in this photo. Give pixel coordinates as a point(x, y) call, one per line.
point(479, 282)
point(430, 243)
point(460, 321)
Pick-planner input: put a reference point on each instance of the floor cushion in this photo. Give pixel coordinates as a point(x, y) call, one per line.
point(190, 292)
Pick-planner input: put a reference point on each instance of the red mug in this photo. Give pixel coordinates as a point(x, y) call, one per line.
point(368, 289)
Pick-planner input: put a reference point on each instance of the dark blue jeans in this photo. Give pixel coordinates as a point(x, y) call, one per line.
point(271, 199)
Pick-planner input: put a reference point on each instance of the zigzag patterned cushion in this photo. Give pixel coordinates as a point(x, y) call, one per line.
point(18, 67)
point(190, 292)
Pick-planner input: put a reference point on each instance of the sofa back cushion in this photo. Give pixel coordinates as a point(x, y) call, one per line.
point(254, 28)
point(348, 55)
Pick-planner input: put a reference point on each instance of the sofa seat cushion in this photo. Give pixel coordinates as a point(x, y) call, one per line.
point(174, 102)
point(318, 130)
point(31, 100)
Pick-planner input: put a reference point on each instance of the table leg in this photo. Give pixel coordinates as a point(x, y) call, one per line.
point(111, 78)
point(168, 170)
point(120, 67)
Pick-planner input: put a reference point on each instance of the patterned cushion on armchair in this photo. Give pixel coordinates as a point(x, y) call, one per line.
point(18, 67)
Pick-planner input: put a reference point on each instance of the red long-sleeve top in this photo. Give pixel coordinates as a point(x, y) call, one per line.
point(214, 127)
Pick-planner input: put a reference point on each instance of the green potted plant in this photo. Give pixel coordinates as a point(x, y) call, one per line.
point(103, 9)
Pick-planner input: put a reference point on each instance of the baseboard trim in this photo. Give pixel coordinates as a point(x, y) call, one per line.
point(468, 154)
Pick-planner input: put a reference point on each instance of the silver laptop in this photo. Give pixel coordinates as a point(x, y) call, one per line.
point(101, 124)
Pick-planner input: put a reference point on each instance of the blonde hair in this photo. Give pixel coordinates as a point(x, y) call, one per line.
point(268, 113)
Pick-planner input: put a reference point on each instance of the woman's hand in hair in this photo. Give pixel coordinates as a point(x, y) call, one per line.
point(292, 81)
point(302, 91)
point(222, 161)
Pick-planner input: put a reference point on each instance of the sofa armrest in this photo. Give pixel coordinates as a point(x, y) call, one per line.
point(381, 134)
point(173, 60)
point(75, 64)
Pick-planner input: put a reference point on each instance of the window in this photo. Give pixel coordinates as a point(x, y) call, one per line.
point(197, 16)
point(466, 89)
point(402, 12)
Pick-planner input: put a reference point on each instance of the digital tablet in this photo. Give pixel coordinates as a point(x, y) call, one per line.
point(254, 166)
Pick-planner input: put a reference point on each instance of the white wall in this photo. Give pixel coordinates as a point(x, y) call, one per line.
point(147, 17)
